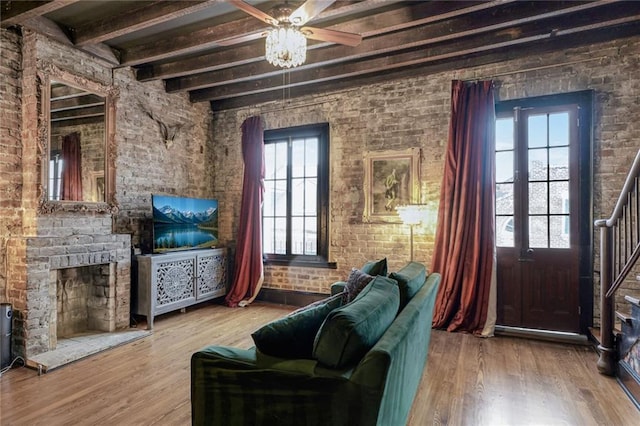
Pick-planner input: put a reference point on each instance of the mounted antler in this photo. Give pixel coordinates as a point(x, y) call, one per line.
point(167, 131)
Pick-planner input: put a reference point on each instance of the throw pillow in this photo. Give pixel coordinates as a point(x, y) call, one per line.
point(293, 336)
point(410, 279)
point(375, 267)
point(350, 331)
point(357, 281)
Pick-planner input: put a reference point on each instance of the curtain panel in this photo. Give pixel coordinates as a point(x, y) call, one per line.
point(71, 168)
point(464, 246)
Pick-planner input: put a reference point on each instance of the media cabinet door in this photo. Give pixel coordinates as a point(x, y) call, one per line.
point(174, 282)
point(212, 275)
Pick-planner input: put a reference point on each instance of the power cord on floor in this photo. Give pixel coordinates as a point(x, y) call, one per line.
point(10, 366)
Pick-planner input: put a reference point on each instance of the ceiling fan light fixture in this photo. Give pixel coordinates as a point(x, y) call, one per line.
point(286, 47)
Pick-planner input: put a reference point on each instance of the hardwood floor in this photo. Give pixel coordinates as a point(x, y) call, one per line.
point(468, 380)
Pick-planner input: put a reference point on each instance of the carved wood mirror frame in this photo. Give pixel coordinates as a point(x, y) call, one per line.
point(47, 73)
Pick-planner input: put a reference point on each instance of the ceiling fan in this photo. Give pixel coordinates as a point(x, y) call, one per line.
point(286, 43)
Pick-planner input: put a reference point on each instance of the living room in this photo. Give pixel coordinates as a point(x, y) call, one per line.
point(204, 159)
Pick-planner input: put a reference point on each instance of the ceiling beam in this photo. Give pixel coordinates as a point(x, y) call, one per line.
point(487, 43)
point(437, 32)
point(369, 26)
point(16, 12)
point(143, 15)
point(211, 37)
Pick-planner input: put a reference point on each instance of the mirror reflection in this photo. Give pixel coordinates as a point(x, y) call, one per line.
point(76, 145)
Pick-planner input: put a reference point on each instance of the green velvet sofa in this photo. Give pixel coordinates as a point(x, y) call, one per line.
point(364, 369)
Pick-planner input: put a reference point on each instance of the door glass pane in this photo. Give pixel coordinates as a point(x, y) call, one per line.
point(537, 131)
point(269, 161)
point(538, 232)
point(297, 235)
point(297, 158)
point(310, 236)
point(504, 166)
point(280, 160)
point(559, 197)
point(559, 129)
point(268, 205)
point(280, 236)
point(280, 198)
point(559, 163)
point(504, 231)
point(538, 164)
point(268, 243)
point(559, 231)
point(311, 157)
point(310, 197)
point(538, 201)
point(297, 197)
point(504, 198)
point(504, 133)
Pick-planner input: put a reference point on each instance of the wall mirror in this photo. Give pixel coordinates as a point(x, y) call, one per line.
point(78, 137)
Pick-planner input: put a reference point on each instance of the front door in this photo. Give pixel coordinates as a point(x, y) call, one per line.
point(537, 217)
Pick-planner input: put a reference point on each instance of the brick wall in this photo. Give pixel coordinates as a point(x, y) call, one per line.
point(414, 112)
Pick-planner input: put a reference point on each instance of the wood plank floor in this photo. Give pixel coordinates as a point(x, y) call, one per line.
point(468, 380)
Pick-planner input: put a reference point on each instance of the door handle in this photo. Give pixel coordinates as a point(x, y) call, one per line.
point(529, 251)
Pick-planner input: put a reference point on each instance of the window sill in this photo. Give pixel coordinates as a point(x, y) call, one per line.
point(301, 263)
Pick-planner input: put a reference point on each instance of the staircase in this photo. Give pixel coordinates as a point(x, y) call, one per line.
point(619, 254)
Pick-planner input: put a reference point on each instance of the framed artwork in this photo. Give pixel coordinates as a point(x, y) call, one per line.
point(391, 179)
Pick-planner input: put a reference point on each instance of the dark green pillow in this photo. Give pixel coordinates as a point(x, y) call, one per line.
point(351, 330)
point(410, 279)
point(293, 336)
point(375, 267)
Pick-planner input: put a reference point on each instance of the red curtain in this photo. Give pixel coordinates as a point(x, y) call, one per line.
point(248, 271)
point(463, 251)
point(71, 168)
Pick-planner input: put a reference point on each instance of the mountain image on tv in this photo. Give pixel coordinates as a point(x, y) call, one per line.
point(182, 223)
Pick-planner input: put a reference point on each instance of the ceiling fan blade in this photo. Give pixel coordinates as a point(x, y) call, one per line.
point(241, 38)
point(309, 10)
point(256, 13)
point(333, 36)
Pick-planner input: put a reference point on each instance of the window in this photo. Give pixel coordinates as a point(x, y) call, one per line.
point(296, 198)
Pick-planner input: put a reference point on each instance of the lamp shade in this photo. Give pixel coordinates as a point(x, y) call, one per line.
point(412, 214)
point(286, 47)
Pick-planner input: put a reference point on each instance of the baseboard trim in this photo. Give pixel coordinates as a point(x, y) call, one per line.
point(550, 335)
point(289, 297)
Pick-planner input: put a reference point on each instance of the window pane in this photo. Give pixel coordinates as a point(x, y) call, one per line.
point(281, 198)
point(504, 231)
point(311, 158)
point(269, 161)
point(504, 166)
point(280, 232)
point(504, 133)
point(268, 242)
point(559, 163)
point(310, 201)
point(268, 204)
point(297, 235)
point(559, 231)
point(297, 158)
point(281, 160)
point(537, 131)
point(310, 236)
point(504, 198)
point(559, 129)
point(538, 201)
point(538, 232)
point(559, 197)
point(538, 164)
point(297, 197)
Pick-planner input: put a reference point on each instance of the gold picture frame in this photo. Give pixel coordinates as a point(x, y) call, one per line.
point(391, 178)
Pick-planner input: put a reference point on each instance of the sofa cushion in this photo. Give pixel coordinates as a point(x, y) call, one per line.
point(351, 330)
point(293, 335)
point(375, 267)
point(410, 279)
point(356, 282)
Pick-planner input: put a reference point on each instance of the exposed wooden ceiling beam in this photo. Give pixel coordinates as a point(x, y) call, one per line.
point(437, 32)
point(472, 46)
point(143, 15)
point(16, 12)
point(394, 20)
point(212, 36)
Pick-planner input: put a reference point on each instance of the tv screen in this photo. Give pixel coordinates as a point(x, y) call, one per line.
point(181, 223)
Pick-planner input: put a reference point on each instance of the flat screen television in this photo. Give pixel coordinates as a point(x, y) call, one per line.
point(182, 223)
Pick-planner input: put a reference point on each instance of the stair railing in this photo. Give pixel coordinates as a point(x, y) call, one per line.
point(619, 251)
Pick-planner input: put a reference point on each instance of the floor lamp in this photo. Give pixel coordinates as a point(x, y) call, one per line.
point(412, 215)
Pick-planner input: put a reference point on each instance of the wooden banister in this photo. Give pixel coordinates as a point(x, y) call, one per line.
point(619, 251)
